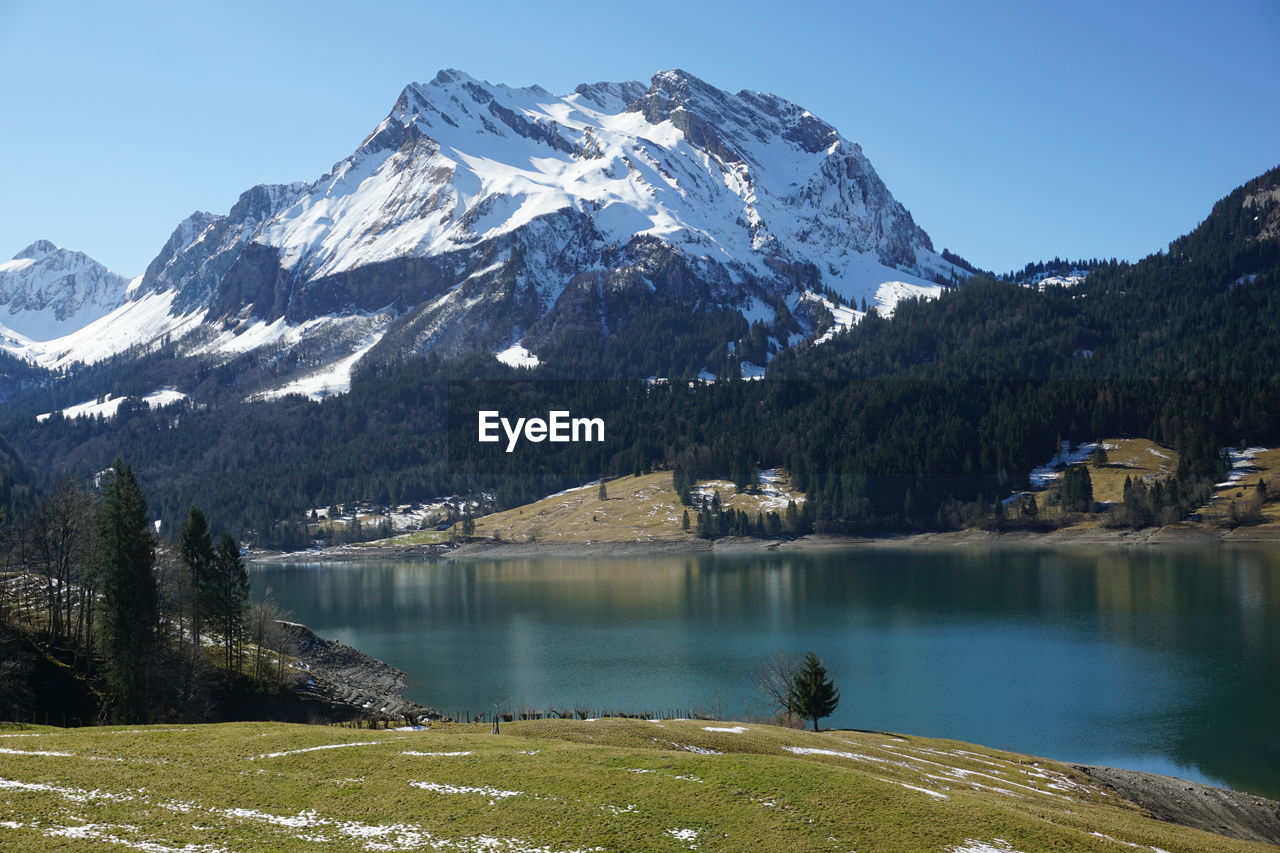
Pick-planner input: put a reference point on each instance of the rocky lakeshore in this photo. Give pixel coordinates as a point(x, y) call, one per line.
point(1232, 813)
point(347, 683)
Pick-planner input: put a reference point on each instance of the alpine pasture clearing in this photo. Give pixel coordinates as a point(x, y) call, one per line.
point(1250, 466)
point(1127, 458)
point(551, 785)
point(643, 508)
point(1130, 458)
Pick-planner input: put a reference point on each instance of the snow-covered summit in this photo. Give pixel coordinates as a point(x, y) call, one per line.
point(483, 217)
point(746, 180)
point(36, 251)
point(47, 291)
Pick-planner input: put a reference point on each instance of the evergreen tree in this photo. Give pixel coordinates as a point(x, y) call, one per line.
point(231, 601)
point(1077, 489)
point(792, 518)
point(814, 694)
point(195, 550)
point(124, 557)
point(603, 493)
point(773, 525)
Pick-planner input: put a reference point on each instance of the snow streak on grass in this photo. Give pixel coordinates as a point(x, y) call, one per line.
point(109, 834)
point(76, 795)
point(972, 845)
point(442, 788)
point(314, 749)
point(52, 754)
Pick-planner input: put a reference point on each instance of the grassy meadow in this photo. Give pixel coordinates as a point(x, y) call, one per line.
point(551, 785)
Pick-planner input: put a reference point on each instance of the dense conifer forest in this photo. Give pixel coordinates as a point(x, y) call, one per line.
point(922, 421)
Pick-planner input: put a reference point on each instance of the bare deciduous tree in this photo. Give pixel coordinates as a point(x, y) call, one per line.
point(58, 528)
point(270, 640)
point(776, 680)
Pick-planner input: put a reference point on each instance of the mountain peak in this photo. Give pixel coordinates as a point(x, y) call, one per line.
point(47, 291)
point(479, 216)
point(446, 76)
point(679, 86)
point(36, 250)
point(453, 79)
point(678, 76)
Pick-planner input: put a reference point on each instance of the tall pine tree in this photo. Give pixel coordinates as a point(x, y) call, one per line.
point(195, 549)
point(124, 559)
point(231, 599)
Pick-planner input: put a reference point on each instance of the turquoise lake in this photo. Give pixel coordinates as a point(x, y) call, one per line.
point(1146, 658)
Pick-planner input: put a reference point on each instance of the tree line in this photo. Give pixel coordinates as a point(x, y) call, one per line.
point(139, 629)
point(925, 420)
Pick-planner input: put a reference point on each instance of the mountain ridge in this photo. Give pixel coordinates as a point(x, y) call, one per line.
point(480, 217)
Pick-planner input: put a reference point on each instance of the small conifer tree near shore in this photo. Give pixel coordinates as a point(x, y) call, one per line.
point(814, 694)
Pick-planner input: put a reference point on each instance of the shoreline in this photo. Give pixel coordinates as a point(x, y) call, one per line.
point(1223, 811)
point(1176, 535)
point(349, 683)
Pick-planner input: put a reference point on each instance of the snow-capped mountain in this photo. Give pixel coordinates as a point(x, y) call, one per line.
point(47, 292)
point(478, 217)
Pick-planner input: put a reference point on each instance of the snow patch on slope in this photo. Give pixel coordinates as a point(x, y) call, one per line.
point(887, 296)
point(109, 405)
point(973, 845)
point(890, 293)
point(517, 356)
point(141, 322)
point(1241, 465)
point(843, 316)
point(1041, 476)
point(329, 381)
point(1071, 279)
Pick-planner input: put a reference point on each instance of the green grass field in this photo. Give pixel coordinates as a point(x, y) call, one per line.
point(551, 785)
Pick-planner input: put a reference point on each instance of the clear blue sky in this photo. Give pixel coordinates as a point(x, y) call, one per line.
point(1012, 130)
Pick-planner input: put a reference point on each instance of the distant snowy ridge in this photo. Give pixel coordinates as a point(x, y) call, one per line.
point(47, 291)
point(480, 217)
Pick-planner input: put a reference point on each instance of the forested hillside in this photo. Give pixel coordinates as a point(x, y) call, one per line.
point(924, 420)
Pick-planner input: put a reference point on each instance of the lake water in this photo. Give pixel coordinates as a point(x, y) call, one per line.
point(1147, 658)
